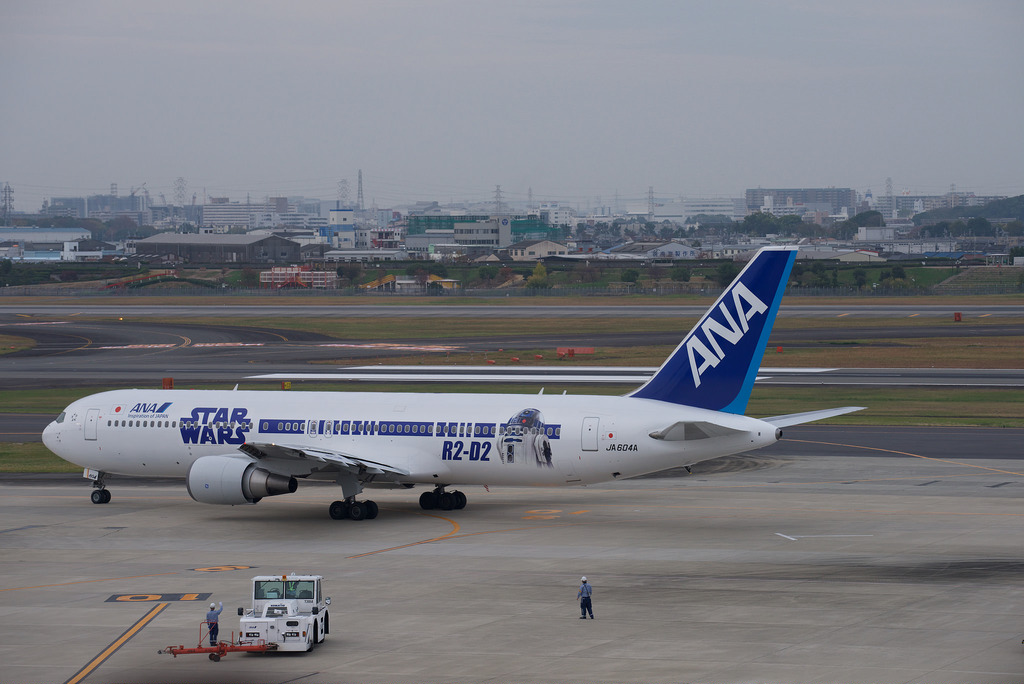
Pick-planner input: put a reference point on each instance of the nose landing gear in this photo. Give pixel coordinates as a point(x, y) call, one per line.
point(100, 493)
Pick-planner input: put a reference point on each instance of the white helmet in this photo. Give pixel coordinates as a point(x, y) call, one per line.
point(213, 606)
point(583, 579)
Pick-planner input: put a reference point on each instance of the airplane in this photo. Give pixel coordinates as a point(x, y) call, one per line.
point(236, 447)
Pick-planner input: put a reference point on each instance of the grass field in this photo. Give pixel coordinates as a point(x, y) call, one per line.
point(32, 457)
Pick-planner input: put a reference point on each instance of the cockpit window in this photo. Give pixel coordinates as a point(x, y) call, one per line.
point(60, 418)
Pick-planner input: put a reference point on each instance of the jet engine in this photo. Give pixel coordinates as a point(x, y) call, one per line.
point(233, 480)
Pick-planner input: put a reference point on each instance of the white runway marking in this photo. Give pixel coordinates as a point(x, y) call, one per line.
point(404, 347)
point(820, 536)
point(138, 346)
point(228, 344)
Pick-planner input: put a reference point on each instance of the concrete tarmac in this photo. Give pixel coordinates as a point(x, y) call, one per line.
point(832, 556)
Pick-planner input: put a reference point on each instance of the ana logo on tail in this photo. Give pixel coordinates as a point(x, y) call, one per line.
point(735, 329)
point(715, 365)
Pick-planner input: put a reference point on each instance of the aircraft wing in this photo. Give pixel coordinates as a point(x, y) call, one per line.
point(355, 464)
point(810, 416)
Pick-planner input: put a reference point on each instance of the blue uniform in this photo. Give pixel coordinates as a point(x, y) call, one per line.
point(586, 606)
point(212, 617)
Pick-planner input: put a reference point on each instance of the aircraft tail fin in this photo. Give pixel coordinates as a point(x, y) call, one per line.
point(715, 365)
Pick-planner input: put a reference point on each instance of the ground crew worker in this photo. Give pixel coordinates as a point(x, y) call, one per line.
point(212, 618)
point(584, 596)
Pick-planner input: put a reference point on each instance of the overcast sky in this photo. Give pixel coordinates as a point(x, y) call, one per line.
point(444, 100)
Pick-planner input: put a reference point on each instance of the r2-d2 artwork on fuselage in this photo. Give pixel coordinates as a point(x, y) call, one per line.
point(523, 439)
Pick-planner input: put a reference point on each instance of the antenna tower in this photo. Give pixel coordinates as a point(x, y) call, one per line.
point(499, 204)
point(7, 202)
point(180, 191)
point(359, 199)
point(889, 197)
point(650, 203)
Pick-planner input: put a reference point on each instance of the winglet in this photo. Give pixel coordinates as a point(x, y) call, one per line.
point(715, 365)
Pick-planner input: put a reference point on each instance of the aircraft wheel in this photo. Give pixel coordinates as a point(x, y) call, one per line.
point(446, 501)
point(337, 510)
point(100, 496)
point(106, 496)
point(357, 510)
point(428, 501)
point(460, 500)
point(371, 509)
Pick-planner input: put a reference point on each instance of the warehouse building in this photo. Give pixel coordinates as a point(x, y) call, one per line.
point(219, 249)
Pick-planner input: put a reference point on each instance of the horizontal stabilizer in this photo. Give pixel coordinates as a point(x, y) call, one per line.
point(810, 416)
point(690, 430)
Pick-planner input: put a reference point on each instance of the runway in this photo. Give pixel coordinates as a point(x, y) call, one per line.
point(855, 555)
point(140, 352)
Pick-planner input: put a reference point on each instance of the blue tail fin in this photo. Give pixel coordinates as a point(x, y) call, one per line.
point(715, 365)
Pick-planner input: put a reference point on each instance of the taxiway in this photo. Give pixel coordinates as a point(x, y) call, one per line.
point(854, 555)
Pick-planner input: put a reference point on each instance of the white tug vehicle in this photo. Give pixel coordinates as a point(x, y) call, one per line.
point(287, 610)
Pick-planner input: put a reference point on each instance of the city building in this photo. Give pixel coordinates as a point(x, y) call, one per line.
point(686, 209)
point(836, 200)
point(554, 214)
point(532, 250)
point(35, 236)
point(655, 250)
point(341, 229)
point(425, 245)
point(366, 255)
point(298, 276)
point(135, 206)
point(221, 214)
point(483, 236)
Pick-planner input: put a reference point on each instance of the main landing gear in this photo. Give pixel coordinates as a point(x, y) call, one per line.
point(439, 498)
point(353, 510)
point(100, 493)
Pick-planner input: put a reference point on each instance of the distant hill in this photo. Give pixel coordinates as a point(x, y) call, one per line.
point(1011, 207)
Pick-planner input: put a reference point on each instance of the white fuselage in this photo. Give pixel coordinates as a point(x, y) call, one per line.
point(436, 438)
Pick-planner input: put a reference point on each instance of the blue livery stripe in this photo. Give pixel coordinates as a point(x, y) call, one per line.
point(387, 428)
